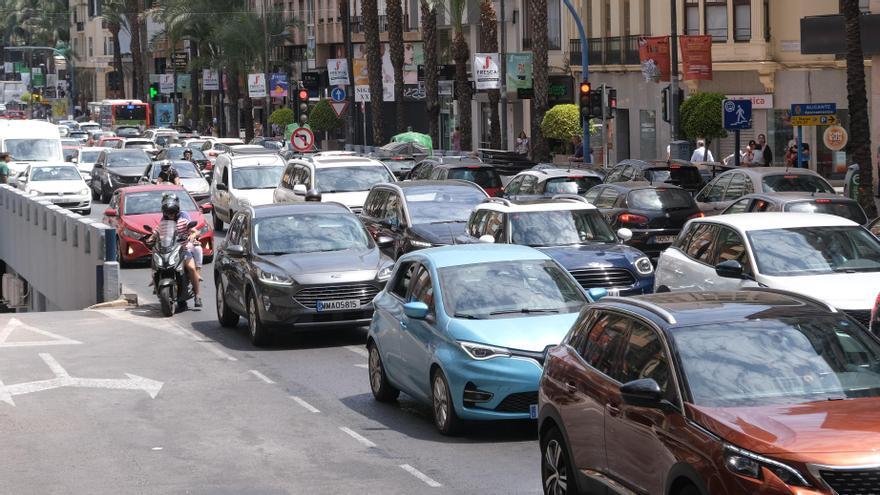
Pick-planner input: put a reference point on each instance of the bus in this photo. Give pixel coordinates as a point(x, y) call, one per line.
point(115, 113)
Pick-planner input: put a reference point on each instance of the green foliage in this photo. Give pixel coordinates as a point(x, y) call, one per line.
point(562, 122)
point(323, 118)
point(281, 117)
point(701, 116)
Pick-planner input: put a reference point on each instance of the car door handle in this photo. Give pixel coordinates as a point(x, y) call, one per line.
point(402, 324)
point(612, 410)
point(677, 271)
point(570, 387)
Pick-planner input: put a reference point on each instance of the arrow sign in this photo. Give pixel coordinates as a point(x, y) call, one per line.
point(302, 139)
point(338, 94)
point(339, 107)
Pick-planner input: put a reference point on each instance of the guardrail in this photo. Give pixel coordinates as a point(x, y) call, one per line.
point(67, 262)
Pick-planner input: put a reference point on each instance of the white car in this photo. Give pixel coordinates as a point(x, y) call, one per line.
point(148, 146)
point(822, 256)
point(85, 161)
point(60, 184)
point(214, 146)
point(241, 179)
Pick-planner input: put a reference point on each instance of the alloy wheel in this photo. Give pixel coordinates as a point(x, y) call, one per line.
point(441, 402)
point(252, 317)
point(555, 471)
point(375, 369)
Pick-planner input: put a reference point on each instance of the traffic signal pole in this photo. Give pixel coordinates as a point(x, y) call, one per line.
point(586, 74)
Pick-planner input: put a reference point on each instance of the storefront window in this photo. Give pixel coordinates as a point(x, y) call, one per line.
point(648, 134)
point(779, 133)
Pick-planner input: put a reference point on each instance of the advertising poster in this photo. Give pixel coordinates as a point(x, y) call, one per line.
point(487, 71)
point(413, 56)
point(210, 80)
point(337, 71)
point(164, 114)
point(256, 85)
point(654, 57)
point(696, 56)
point(166, 83)
point(519, 71)
point(184, 83)
point(279, 85)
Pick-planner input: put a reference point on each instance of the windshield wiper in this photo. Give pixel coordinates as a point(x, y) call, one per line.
point(466, 316)
point(523, 311)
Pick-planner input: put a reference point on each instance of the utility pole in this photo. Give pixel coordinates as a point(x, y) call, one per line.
point(586, 73)
point(268, 101)
point(673, 74)
point(352, 120)
point(503, 62)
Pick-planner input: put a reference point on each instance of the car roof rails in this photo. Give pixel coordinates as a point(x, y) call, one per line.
point(794, 295)
point(571, 198)
point(501, 201)
point(657, 310)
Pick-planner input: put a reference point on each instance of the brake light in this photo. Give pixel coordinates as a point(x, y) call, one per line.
point(632, 218)
point(789, 176)
point(823, 200)
point(209, 165)
point(698, 214)
point(674, 165)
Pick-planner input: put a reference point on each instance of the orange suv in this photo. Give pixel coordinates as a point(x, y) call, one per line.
point(756, 391)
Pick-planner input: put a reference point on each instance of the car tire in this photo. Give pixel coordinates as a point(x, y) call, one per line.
point(226, 317)
point(218, 224)
point(445, 418)
point(119, 258)
point(105, 196)
point(383, 390)
point(662, 289)
point(688, 490)
point(557, 476)
point(259, 334)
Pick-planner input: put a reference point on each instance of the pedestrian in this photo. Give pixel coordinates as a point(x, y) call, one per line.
point(747, 157)
point(763, 153)
point(578, 143)
point(522, 143)
point(791, 154)
point(702, 153)
point(456, 139)
point(5, 158)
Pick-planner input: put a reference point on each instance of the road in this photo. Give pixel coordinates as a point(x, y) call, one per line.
point(327, 372)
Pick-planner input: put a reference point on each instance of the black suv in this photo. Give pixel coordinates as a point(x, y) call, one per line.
point(115, 169)
point(684, 175)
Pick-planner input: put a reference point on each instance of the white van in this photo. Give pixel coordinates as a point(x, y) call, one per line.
point(30, 142)
point(243, 177)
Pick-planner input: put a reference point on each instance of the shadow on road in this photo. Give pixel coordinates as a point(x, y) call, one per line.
point(238, 339)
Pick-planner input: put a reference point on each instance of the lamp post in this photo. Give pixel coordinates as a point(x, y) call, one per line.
point(586, 74)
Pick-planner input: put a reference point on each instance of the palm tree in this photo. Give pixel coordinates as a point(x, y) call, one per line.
point(461, 56)
point(113, 11)
point(395, 45)
point(540, 77)
point(133, 15)
point(370, 15)
point(489, 44)
point(860, 140)
point(429, 35)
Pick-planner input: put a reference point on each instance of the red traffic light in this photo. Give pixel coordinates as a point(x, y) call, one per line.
point(585, 88)
point(303, 95)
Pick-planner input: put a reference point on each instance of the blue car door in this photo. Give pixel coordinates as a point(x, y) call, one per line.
point(387, 331)
point(417, 336)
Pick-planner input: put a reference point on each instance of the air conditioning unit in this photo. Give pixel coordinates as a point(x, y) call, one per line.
point(13, 291)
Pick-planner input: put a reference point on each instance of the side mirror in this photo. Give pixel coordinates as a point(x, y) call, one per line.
point(393, 221)
point(384, 241)
point(207, 208)
point(191, 225)
point(487, 239)
point(644, 392)
point(222, 187)
point(596, 293)
point(300, 189)
point(416, 309)
point(729, 269)
point(234, 251)
point(110, 212)
point(624, 234)
point(147, 228)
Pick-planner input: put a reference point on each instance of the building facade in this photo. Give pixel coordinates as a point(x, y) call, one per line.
point(93, 52)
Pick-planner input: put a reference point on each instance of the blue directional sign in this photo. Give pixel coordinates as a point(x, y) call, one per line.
point(338, 94)
point(799, 109)
point(737, 114)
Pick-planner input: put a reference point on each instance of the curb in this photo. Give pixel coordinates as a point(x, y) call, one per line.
point(119, 303)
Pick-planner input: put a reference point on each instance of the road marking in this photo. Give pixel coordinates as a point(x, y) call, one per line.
point(262, 377)
point(16, 324)
point(420, 475)
point(353, 434)
point(358, 350)
point(63, 379)
point(361, 365)
point(306, 405)
point(210, 345)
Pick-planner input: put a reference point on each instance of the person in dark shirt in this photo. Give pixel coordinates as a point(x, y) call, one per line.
point(168, 175)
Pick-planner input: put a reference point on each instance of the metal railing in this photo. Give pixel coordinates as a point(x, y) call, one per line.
point(613, 50)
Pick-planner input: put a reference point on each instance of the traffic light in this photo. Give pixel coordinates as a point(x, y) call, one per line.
point(664, 103)
point(302, 104)
point(584, 100)
point(596, 104)
point(154, 91)
point(611, 106)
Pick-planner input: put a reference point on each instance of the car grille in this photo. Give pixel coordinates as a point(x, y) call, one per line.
point(861, 316)
point(125, 179)
point(855, 482)
point(518, 403)
point(309, 296)
point(590, 278)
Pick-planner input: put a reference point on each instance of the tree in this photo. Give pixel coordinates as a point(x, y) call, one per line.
point(701, 117)
point(282, 117)
point(113, 12)
point(562, 122)
point(540, 77)
point(370, 16)
point(461, 55)
point(429, 35)
point(489, 44)
point(395, 46)
point(133, 11)
point(323, 118)
point(860, 132)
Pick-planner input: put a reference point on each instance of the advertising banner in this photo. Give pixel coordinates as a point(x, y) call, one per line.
point(337, 72)
point(256, 85)
point(164, 114)
point(487, 72)
point(519, 71)
point(184, 83)
point(166, 83)
point(278, 85)
point(210, 80)
point(696, 56)
point(654, 57)
point(362, 93)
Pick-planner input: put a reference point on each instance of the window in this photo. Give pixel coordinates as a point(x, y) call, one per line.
point(401, 284)
point(234, 234)
point(737, 187)
point(732, 248)
point(513, 186)
point(739, 207)
point(646, 17)
point(528, 185)
point(691, 17)
point(606, 16)
point(700, 246)
point(645, 357)
point(607, 198)
point(91, 47)
point(603, 341)
point(766, 20)
point(494, 226)
point(554, 25)
point(716, 20)
point(375, 203)
point(715, 190)
point(592, 194)
point(626, 17)
point(474, 228)
point(423, 289)
point(742, 20)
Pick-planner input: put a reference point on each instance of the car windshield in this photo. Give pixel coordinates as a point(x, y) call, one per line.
point(71, 142)
point(128, 131)
point(845, 209)
point(815, 251)
point(675, 174)
point(33, 150)
point(660, 200)
point(88, 156)
point(115, 144)
point(796, 182)
point(778, 361)
point(139, 203)
point(571, 185)
point(442, 204)
point(256, 177)
point(506, 289)
point(482, 176)
point(351, 179)
point(55, 173)
point(309, 233)
point(186, 170)
point(132, 158)
point(559, 228)
point(140, 146)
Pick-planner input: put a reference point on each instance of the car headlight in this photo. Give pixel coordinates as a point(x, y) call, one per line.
point(419, 244)
point(481, 352)
point(132, 234)
point(174, 258)
point(749, 464)
point(644, 266)
point(84, 192)
point(273, 278)
point(34, 192)
point(385, 273)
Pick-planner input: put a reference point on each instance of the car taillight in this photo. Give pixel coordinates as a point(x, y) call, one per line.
point(823, 201)
point(632, 218)
point(209, 165)
point(698, 214)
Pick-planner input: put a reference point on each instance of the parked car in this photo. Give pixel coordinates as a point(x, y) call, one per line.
point(734, 184)
point(800, 202)
point(823, 256)
point(85, 162)
point(481, 174)
point(133, 207)
point(241, 179)
point(423, 169)
point(572, 232)
point(62, 185)
point(546, 182)
point(294, 267)
point(653, 213)
point(723, 393)
point(420, 214)
point(464, 329)
point(115, 169)
point(681, 174)
point(190, 178)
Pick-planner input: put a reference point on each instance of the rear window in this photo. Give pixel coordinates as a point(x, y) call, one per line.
point(845, 209)
point(571, 185)
point(660, 199)
point(482, 176)
point(677, 175)
point(796, 182)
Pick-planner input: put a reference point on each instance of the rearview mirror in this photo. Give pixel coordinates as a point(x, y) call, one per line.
point(624, 234)
point(234, 251)
point(300, 189)
point(207, 208)
point(644, 392)
point(110, 212)
point(729, 269)
point(487, 239)
point(384, 241)
point(416, 309)
point(222, 187)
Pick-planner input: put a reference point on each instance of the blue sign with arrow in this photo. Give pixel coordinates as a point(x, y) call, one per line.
point(338, 94)
point(737, 114)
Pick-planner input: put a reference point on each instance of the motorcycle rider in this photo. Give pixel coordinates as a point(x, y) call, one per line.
point(167, 175)
point(171, 211)
point(188, 155)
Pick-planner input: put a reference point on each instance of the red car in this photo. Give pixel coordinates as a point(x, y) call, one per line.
point(133, 207)
point(111, 142)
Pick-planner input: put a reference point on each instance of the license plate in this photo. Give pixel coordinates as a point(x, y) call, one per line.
point(664, 239)
point(340, 305)
point(533, 411)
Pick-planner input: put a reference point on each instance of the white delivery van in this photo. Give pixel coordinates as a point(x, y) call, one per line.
point(30, 142)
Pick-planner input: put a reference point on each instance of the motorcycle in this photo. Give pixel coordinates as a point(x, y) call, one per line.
point(170, 280)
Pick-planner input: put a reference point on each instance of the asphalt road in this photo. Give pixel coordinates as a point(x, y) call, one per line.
point(327, 370)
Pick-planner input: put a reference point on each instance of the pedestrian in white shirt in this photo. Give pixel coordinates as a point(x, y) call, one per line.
point(701, 154)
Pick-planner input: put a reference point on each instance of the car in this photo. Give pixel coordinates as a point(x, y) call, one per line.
point(155, 133)
point(722, 393)
point(343, 179)
point(115, 169)
point(401, 156)
point(69, 151)
point(176, 153)
point(654, 213)
point(62, 185)
point(571, 231)
point(464, 329)
point(419, 214)
point(133, 207)
point(30, 142)
point(423, 169)
point(729, 186)
point(823, 256)
point(89, 126)
point(85, 162)
point(63, 131)
point(128, 132)
point(801, 202)
point(148, 146)
point(190, 178)
point(243, 178)
point(297, 267)
point(682, 174)
point(547, 182)
point(269, 143)
point(111, 142)
point(214, 146)
point(81, 136)
point(481, 174)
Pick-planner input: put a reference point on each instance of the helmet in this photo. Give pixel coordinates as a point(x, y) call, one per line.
point(187, 150)
point(313, 195)
point(170, 207)
point(165, 164)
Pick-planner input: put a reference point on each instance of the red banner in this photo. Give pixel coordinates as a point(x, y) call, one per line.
point(696, 56)
point(654, 56)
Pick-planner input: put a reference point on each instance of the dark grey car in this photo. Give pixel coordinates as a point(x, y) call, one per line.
point(115, 169)
point(723, 190)
point(800, 202)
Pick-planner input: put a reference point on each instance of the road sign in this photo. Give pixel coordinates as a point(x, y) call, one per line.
point(808, 120)
point(339, 107)
point(798, 109)
point(737, 114)
point(338, 94)
point(835, 138)
point(302, 139)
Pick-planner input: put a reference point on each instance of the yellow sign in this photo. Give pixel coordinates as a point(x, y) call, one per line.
point(835, 138)
point(803, 120)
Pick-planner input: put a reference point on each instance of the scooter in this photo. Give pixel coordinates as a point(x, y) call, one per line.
point(170, 280)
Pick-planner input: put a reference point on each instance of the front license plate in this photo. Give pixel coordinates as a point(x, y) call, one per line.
point(533, 411)
point(340, 305)
point(664, 239)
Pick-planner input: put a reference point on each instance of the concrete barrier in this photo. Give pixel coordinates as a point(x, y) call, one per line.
point(67, 261)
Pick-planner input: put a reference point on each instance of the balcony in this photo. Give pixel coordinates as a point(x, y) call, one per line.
point(614, 50)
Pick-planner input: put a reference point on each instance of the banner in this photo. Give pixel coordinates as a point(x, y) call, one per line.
point(519, 71)
point(654, 57)
point(184, 83)
point(256, 85)
point(362, 93)
point(210, 80)
point(166, 83)
point(487, 74)
point(696, 56)
point(278, 85)
point(337, 72)
point(164, 114)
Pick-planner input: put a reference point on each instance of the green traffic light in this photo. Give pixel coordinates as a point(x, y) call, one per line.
point(154, 92)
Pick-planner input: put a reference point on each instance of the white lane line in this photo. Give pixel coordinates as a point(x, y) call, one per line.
point(217, 352)
point(262, 377)
point(53, 365)
point(420, 475)
point(353, 434)
point(358, 350)
point(360, 365)
point(305, 405)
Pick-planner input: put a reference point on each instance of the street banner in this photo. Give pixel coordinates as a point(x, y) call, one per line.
point(278, 85)
point(256, 85)
point(164, 114)
point(337, 72)
point(184, 84)
point(519, 71)
point(210, 80)
point(166, 83)
point(362, 93)
point(361, 73)
point(696, 56)
point(654, 57)
point(487, 74)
